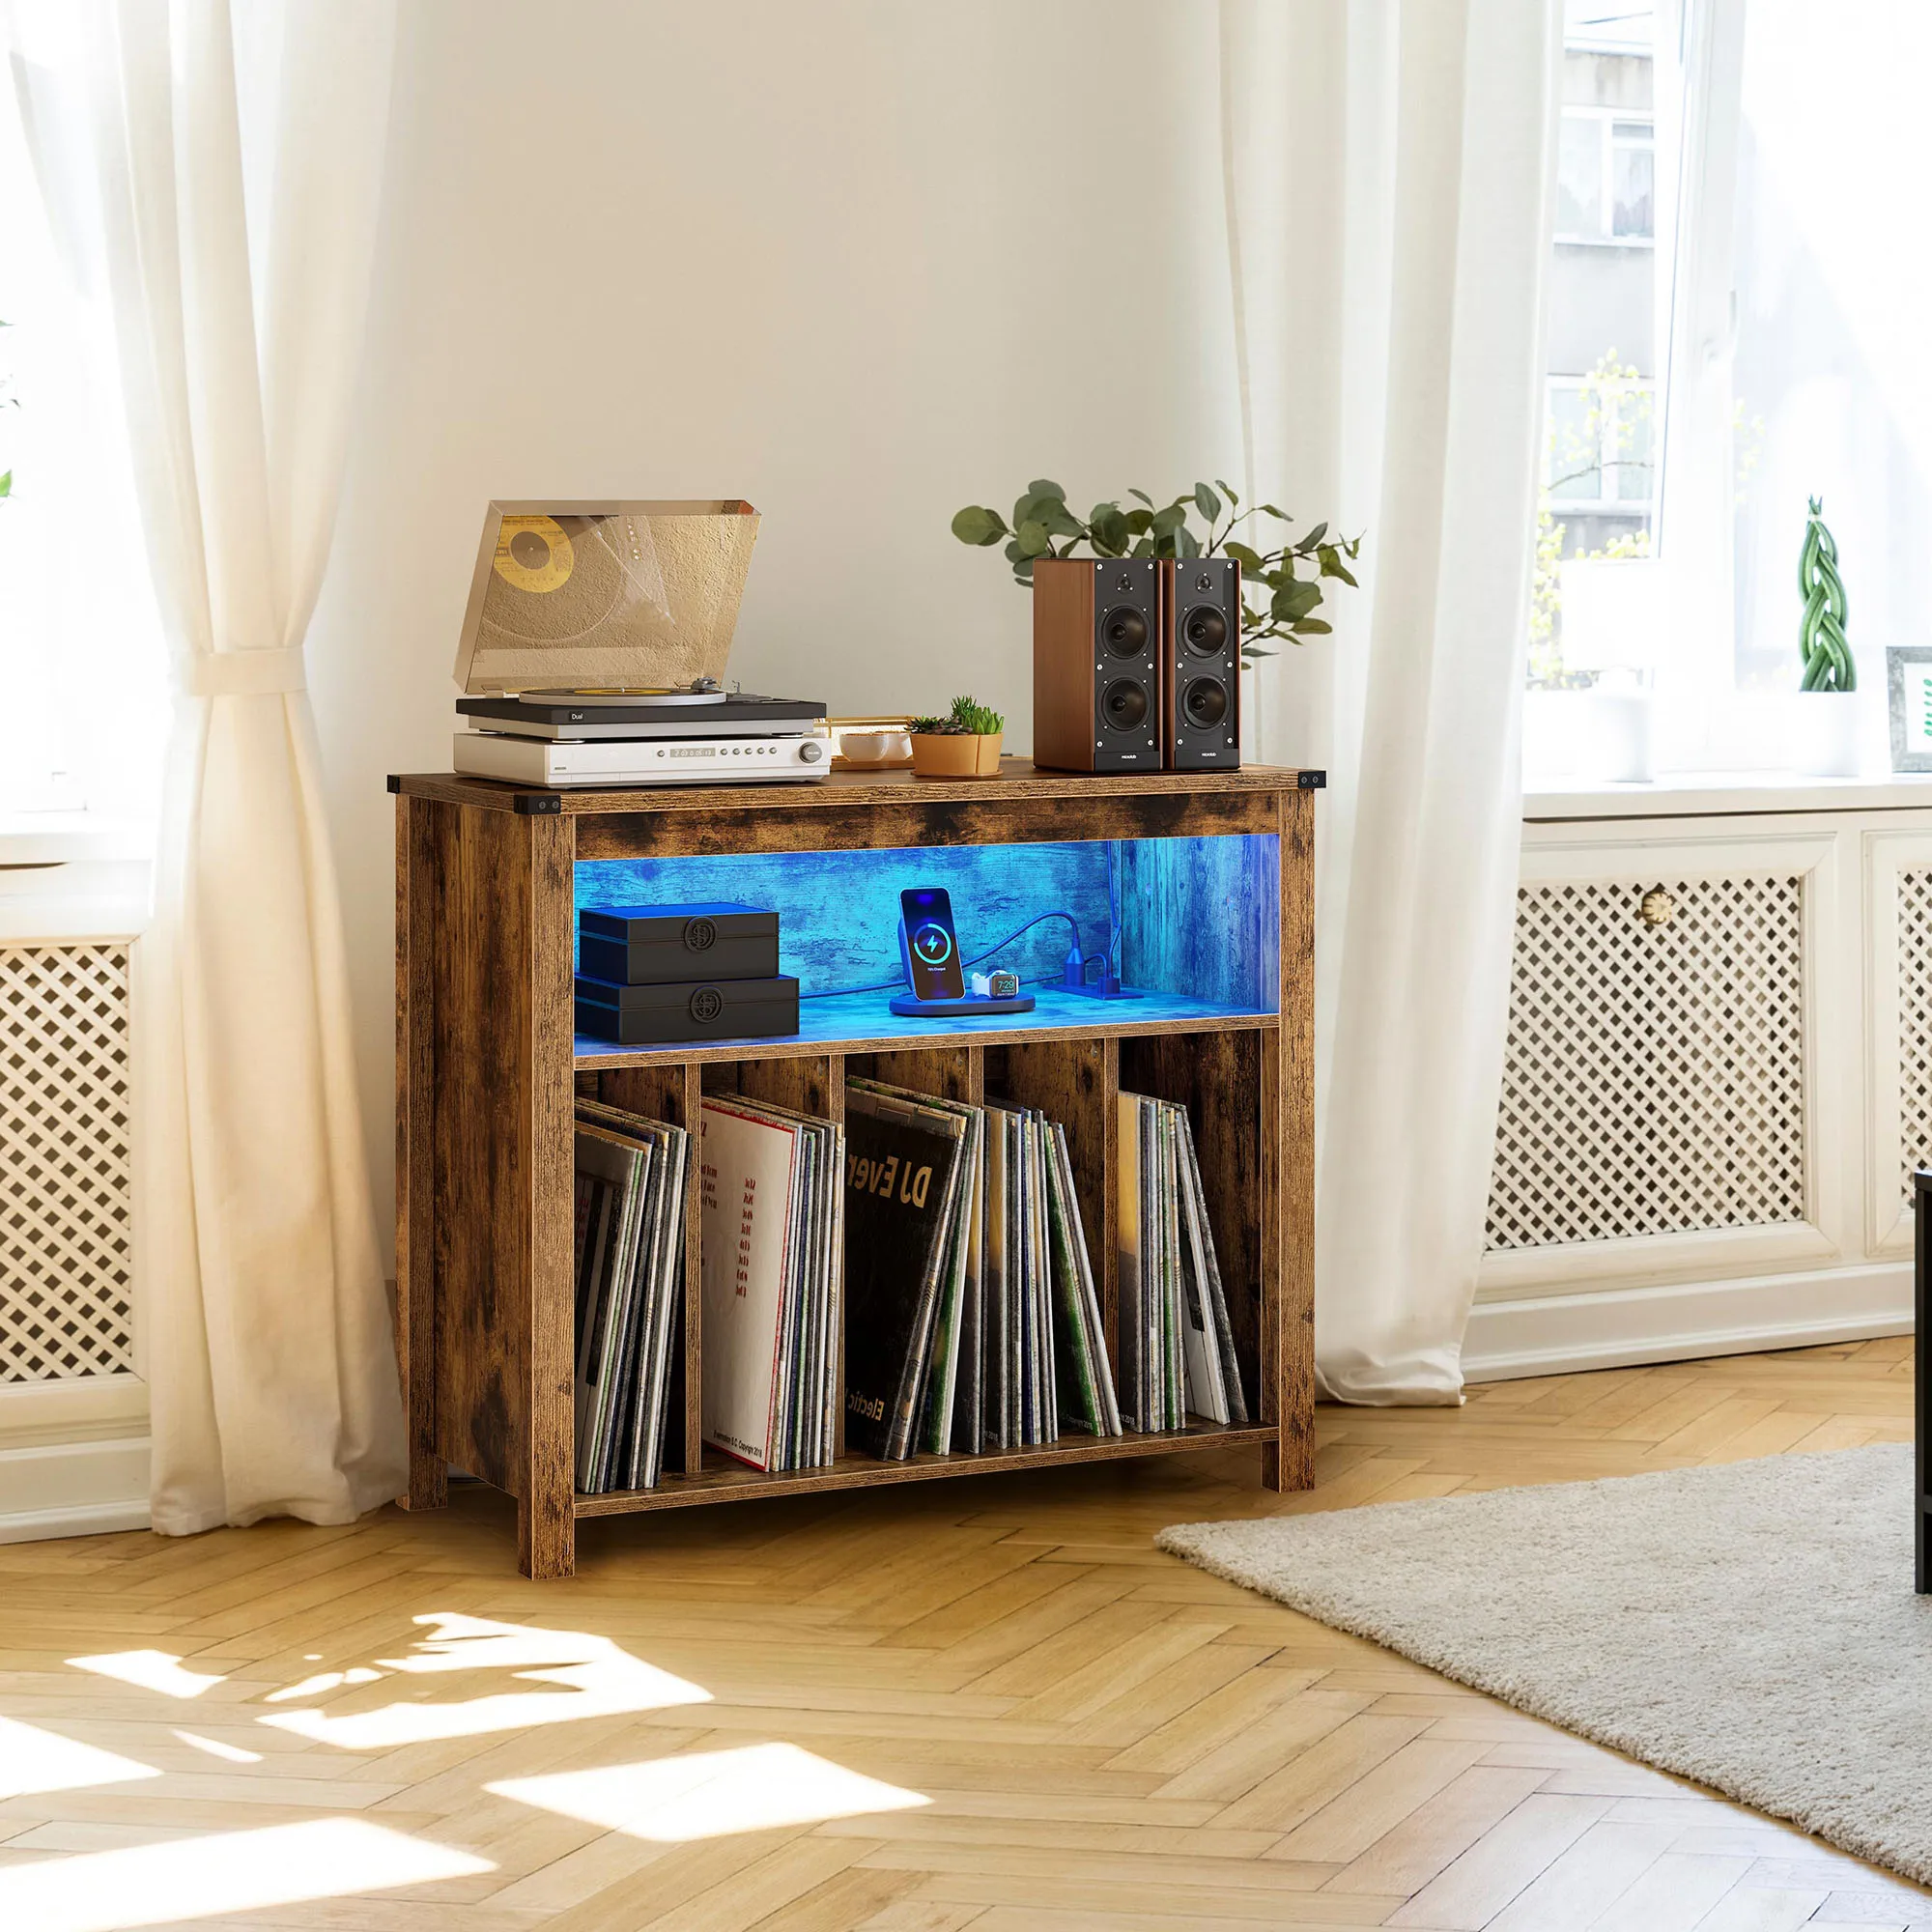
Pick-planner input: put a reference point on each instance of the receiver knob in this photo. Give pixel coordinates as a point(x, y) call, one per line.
point(810, 751)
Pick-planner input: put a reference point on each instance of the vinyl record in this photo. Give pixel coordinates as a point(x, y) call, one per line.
point(561, 581)
point(533, 554)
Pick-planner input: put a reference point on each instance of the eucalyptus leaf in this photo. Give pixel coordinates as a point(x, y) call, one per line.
point(1249, 560)
point(1227, 490)
point(979, 526)
point(1140, 521)
point(1043, 486)
point(1312, 539)
point(1145, 547)
point(1187, 543)
point(1109, 529)
point(1143, 495)
point(1206, 503)
point(1313, 627)
point(1061, 522)
point(1293, 600)
point(1166, 522)
point(1034, 539)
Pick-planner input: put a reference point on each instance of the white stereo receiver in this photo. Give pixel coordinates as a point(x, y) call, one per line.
point(642, 762)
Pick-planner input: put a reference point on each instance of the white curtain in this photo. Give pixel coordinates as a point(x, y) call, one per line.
point(1387, 167)
point(228, 196)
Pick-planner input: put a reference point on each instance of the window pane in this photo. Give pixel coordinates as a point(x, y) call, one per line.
point(1579, 176)
point(1632, 175)
point(1576, 473)
point(1634, 471)
point(1830, 397)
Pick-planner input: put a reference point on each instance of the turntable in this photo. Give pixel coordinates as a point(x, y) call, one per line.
point(594, 646)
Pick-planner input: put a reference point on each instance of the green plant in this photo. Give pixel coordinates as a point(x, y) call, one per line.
point(967, 719)
point(1821, 632)
point(1042, 525)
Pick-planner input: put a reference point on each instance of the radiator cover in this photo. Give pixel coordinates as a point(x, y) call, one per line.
point(66, 1303)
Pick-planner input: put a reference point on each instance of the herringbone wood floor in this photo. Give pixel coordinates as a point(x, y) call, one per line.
point(1105, 1737)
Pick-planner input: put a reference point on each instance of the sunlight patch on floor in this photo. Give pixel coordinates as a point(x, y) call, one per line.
point(228, 1872)
point(214, 1747)
point(600, 1680)
point(148, 1670)
point(711, 1794)
point(32, 1760)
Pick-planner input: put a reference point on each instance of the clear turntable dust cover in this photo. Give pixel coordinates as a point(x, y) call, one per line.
point(605, 596)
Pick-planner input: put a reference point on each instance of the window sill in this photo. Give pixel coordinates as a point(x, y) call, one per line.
point(1709, 794)
point(66, 837)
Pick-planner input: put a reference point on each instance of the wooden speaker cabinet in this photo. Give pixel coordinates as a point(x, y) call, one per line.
point(1097, 624)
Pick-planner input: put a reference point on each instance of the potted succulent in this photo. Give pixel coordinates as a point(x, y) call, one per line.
point(1825, 743)
point(964, 744)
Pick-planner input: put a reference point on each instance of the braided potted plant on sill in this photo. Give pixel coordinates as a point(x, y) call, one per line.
point(1285, 602)
point(1825, 743)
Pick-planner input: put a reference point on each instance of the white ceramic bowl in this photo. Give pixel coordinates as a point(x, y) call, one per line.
point(874, 747)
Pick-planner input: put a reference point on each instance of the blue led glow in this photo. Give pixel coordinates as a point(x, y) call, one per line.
point(1198, 916)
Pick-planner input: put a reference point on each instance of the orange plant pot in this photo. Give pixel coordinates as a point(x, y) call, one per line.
point(960, 754)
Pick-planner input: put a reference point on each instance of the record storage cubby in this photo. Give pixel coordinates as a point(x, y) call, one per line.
point(1212, 876)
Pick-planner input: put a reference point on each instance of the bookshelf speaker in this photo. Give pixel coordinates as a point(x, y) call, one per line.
point(1201, 665)
point(1096, 686)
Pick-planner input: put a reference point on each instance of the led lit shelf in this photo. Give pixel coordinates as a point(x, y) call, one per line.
point(1198, 889)
point(859, 1022)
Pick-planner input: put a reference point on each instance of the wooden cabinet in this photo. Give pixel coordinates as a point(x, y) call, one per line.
point(1209, 880)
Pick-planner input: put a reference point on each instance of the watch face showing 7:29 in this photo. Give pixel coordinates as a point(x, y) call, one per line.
point(931, 944)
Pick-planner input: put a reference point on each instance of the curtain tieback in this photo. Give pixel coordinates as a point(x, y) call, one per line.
point(245, 673)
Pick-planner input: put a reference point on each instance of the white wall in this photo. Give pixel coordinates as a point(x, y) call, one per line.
point(859, 263)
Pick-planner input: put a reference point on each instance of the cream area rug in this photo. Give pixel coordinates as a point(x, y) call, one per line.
point(1750, 1626)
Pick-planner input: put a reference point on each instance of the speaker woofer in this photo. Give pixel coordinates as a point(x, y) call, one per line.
point(1205, 632)
point(1205, 701)
point(1124, 705)
point(1123, 630)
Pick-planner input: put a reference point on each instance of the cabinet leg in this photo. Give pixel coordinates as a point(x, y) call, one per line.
point(429, 1484)
point(546, 1540)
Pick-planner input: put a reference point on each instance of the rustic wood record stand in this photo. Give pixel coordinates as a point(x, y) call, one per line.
point(488, 1063)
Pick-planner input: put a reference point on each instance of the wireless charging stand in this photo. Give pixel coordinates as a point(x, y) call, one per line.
point(909, 1005)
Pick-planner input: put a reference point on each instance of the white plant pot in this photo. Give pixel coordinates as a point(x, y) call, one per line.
point(1616, 739)
point(1824, 728)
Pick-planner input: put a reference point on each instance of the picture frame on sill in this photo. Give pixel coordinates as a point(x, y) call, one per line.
point(1907, 680)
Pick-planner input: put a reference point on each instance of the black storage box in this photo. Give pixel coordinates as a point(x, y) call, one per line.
point(665, 945)
point(683, 1009)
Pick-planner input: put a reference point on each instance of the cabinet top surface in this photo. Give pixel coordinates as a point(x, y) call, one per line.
point(1017, 779)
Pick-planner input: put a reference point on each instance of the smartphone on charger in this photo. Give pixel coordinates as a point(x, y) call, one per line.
point(932, 946)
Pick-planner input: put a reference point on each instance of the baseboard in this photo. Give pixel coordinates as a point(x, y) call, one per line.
point(73, 1488)
point(1621, 1327)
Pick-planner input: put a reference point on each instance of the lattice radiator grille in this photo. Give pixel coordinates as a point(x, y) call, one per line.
point(1655, 1078)
point(1915, 1035)
point(65, 1305)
